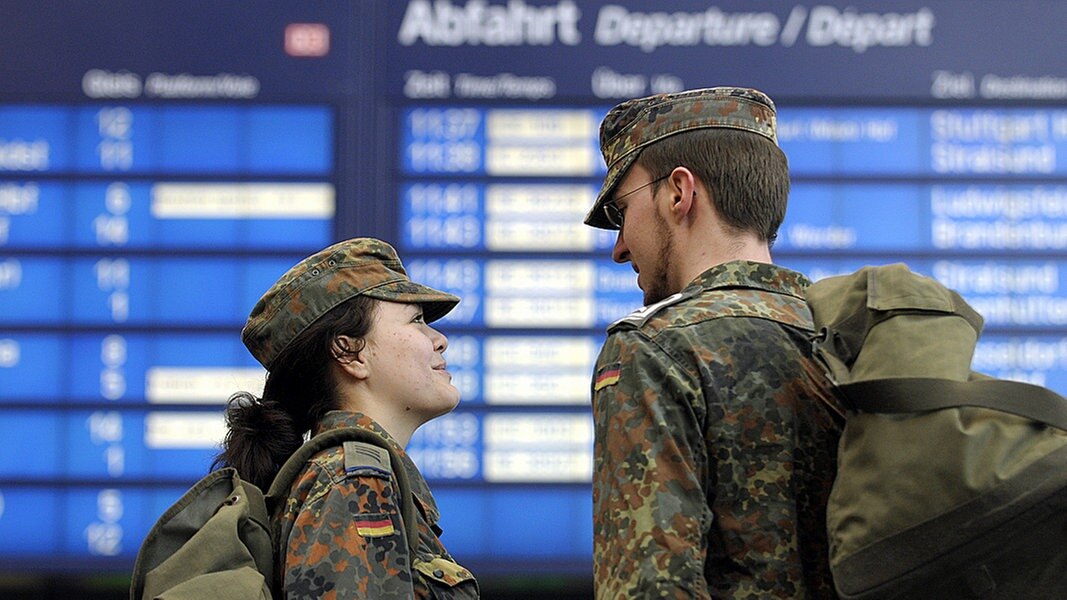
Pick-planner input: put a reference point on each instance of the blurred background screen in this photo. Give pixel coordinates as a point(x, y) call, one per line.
point(161, 164)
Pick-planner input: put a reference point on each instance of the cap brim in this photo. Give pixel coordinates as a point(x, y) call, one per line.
point(596, 217)
point(435, 303)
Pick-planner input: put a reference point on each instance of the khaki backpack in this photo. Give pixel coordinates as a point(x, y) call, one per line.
point(215, 541)
point(950, 484)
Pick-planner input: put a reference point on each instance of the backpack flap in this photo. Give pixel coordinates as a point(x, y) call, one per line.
point(889, 322)
point(214, 542)
point(919, 328)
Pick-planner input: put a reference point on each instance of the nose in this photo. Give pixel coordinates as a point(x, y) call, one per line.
point(620, 253)
point(440, 342)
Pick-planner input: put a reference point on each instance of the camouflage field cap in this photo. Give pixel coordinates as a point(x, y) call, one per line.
point(634, 124)
point(327, 278)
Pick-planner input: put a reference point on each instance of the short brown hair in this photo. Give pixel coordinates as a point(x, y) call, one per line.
point(747, 175)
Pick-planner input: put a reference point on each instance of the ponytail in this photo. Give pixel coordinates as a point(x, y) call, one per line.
point(260, 437)
point(262, 433)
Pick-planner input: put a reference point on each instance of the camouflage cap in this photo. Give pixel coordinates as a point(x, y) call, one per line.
point(324, 280)
point(634, 124)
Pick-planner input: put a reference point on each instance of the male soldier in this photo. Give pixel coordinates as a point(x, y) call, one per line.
point(715, 434)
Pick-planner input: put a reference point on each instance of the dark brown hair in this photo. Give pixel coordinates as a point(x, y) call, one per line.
point(747, 175)
point(300, 389)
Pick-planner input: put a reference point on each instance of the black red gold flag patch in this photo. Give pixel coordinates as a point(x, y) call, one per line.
point(608, 375)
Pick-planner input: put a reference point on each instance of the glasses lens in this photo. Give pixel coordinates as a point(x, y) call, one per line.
point(613, 215)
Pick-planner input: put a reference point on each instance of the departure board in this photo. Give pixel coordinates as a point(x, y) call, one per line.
point(158, 175)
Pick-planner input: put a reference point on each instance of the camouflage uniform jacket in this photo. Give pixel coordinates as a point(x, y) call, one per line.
point(343, 537)
point(715, 446)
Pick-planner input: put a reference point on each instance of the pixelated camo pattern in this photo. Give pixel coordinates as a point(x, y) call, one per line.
point(716, 448)
point(331, 553)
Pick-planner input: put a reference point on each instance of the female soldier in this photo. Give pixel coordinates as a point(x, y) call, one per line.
point(344, 336)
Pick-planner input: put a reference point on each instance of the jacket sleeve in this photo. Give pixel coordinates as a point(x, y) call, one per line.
point(650, 464)
point(348, 540)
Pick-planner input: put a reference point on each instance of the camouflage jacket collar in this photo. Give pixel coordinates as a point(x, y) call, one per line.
point(752, 275)
point(341, 418)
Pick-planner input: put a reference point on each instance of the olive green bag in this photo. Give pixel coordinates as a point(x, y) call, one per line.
point(215, 541)
point(950, 484)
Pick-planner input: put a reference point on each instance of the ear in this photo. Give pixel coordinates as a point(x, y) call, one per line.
point(350, 356)
point(682, 186)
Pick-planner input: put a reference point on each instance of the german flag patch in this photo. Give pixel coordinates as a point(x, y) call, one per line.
point(607, 375)
point(374, 525)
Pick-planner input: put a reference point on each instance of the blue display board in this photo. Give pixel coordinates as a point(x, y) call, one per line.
point(152, 188)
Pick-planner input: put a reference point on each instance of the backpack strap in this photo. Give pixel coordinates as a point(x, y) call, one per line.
point(917, 394)
point(292, 468)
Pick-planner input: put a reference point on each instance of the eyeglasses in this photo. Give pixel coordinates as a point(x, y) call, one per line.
point(611, 210)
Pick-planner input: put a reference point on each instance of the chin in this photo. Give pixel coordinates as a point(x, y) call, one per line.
point(451, 401)
point(443, 410)
point(652, 298)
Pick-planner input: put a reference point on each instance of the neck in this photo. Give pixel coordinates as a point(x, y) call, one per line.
point(702, 252)
point(400, 428)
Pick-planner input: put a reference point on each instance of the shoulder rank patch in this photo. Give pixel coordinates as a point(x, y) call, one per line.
point(638, 317)
point(608, 375)
point(365, 457)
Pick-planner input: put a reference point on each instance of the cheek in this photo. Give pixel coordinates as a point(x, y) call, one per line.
point(412, 349)
point(637, 242)
point(392, 351)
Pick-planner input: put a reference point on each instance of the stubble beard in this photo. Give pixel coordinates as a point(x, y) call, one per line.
point(657, 287)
